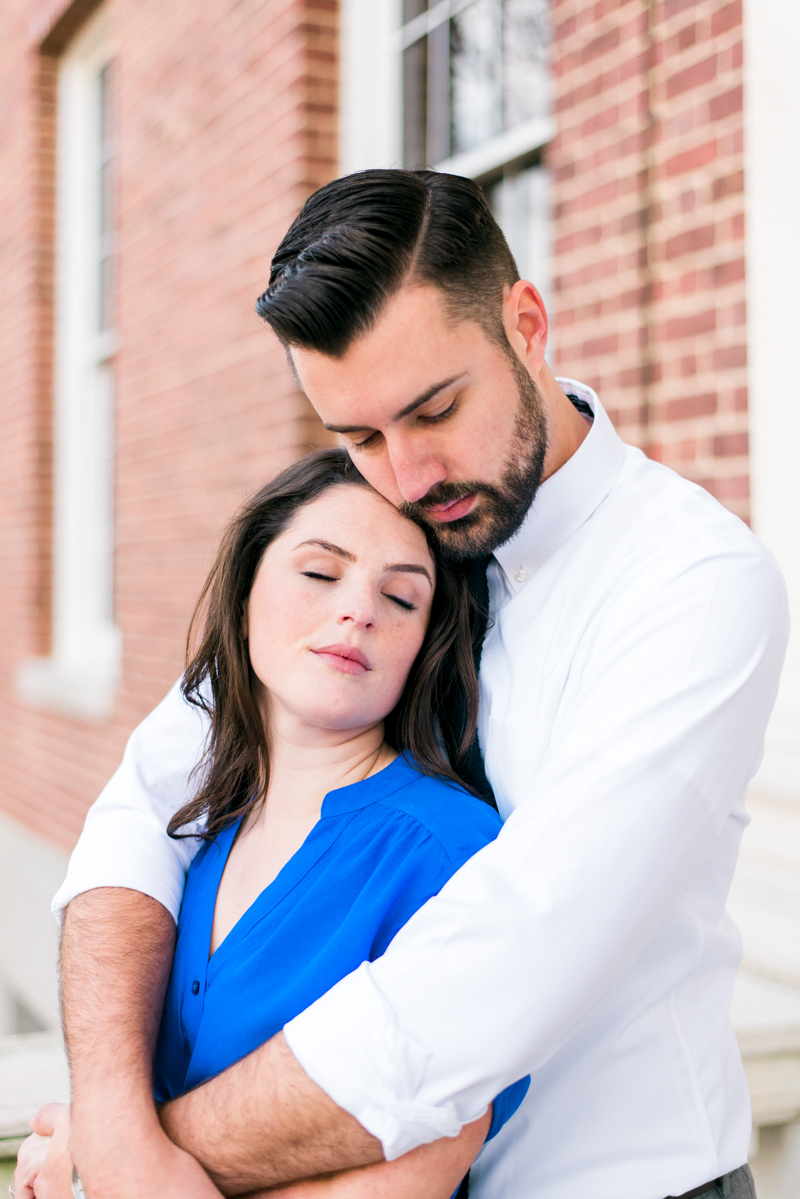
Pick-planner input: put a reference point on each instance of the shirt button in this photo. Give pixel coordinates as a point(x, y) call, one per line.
point(521, 575)
point(196, 987)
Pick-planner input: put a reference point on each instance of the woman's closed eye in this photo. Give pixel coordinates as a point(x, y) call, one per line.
point(316, 574)
point(405, 604)
point(402, 603)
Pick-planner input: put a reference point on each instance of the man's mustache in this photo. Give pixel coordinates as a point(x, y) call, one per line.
point(446, 493)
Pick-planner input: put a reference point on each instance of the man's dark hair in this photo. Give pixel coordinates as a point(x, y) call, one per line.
point(357, 240)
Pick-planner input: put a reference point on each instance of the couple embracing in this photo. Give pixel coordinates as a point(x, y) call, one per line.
point(447, 804)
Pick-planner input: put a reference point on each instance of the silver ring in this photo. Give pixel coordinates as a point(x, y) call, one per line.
point(77, 1185)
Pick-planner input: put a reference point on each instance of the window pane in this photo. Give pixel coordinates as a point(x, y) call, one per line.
point(412, 8)
point(522, 205)
point(439, 94)
point(415, 92)
point(526, 38)
point(476, 70)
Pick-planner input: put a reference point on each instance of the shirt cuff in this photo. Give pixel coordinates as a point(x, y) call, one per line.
point(349, 1044)
point(126, 848)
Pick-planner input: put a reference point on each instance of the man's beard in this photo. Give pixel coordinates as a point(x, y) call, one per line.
point(501, 508)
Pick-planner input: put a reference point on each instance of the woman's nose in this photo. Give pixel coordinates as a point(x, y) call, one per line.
point(358, 605)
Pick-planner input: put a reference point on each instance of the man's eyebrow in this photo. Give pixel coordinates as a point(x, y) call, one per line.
point(409, 408)
point(330, 547)
point(408, 568)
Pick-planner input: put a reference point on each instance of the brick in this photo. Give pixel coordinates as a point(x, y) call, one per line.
point(729, 272)
point(691, 77)
point(727, 104)
point(691, 406)
point(692, 159)
point(690, 326)
point(729, 357)
point(726, 18)
point(728, 185)
point(690, 242)
point(730, 445)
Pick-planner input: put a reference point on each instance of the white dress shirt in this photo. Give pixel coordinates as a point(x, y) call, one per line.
point(637, 634)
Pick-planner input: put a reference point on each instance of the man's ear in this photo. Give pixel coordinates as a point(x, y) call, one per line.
point(525, 323)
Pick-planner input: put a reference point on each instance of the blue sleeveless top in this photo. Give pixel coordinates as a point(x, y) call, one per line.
point(380, 849)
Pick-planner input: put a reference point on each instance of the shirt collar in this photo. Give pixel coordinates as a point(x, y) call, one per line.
point(568, 498)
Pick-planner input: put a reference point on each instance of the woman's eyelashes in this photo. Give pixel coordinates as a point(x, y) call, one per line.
point(315, 574)
point(402, 603)
point(405, 604)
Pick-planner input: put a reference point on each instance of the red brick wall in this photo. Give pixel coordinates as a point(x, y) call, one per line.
point(649, 297)
point(226, 119)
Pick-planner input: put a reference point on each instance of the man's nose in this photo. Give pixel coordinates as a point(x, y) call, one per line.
point(415, 471)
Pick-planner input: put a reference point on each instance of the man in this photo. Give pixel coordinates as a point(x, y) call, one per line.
point(631, 661)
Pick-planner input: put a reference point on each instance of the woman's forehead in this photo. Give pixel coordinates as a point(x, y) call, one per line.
point(363, 520)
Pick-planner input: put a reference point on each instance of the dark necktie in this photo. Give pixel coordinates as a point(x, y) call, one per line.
point(453, 717)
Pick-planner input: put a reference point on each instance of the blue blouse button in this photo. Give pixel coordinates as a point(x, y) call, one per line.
point(196, 987)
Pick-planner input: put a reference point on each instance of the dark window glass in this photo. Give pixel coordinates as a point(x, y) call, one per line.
point(474, 75)
point(415, 103)
point(412, 8)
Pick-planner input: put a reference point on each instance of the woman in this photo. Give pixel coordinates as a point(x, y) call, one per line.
point(329, 813)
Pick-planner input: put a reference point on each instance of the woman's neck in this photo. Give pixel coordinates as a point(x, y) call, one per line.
point(306, 763)
point(304, 766)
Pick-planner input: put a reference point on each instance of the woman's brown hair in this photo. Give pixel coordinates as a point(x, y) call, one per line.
point(234, 772)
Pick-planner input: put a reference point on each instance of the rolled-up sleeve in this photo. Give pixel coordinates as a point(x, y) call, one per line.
point(659, 729)
point(124, 842)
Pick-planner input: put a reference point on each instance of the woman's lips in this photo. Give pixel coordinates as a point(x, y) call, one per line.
point(453, 509)
point(346, 658)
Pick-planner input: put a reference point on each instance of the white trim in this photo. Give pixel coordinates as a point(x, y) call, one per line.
point(772, 177)
point(502, 150)
point(81, 675)
point(370, 91)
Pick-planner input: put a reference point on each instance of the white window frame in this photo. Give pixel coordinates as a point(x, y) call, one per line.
point(373, 40)
point(81, 674)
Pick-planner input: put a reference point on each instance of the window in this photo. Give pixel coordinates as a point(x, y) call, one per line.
point(462, 85)
point(473, 70)
point(81, 673)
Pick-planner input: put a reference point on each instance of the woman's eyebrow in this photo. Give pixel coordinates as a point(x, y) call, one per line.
point(408, 568)
point(330, 547)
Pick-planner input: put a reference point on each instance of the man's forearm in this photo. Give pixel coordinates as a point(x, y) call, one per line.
point(115, 960)
point(264, 1122)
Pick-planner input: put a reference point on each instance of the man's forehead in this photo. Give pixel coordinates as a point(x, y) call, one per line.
point(388, 369)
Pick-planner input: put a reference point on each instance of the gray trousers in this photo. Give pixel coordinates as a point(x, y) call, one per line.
point(736, 1185)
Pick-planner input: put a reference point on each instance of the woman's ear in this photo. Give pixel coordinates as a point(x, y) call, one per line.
point(245, 625)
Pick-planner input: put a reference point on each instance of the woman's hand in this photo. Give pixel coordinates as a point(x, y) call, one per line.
point(157, 1167)
point(44, 1163)
point(432, 1171)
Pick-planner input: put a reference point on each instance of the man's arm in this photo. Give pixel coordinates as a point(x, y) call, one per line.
point(116, 954)
point(263, 1122)
point(124, 842)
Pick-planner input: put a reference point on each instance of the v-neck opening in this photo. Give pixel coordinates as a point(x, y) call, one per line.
point(341, 801)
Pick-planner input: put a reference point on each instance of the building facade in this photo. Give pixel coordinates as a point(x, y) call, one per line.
point(638, 156)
